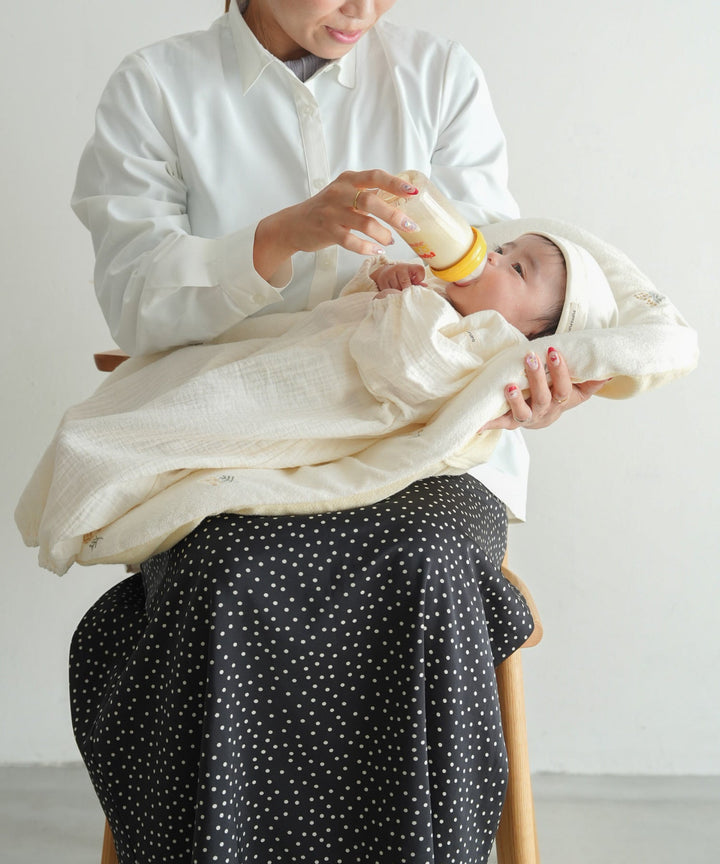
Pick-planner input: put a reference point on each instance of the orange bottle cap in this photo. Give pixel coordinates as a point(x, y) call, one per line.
point(470, 261)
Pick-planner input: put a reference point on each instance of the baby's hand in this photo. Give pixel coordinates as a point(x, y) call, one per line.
point(396, 277)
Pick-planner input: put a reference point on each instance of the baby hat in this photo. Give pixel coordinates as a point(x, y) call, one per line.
point(589, 300)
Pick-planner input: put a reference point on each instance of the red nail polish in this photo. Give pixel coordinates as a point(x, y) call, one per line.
point(553, 356)
point(512, 390)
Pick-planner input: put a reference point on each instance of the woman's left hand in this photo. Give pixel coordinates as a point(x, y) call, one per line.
point(547, 401)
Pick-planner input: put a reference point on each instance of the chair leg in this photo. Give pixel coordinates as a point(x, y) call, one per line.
point(109, 855)
point(516, 841)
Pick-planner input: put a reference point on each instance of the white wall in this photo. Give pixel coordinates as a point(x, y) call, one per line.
point(611, 115)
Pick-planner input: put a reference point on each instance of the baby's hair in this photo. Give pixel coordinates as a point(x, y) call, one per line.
point(547, 323)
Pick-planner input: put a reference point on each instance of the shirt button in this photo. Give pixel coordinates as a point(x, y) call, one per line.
point(319, 184)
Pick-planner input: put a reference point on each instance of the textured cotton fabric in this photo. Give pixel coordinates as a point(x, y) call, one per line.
point(341, 409)
point(336, 407)
point(306, 689)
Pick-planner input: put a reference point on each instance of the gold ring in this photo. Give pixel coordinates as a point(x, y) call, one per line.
point(357, 195)
point(560, 401)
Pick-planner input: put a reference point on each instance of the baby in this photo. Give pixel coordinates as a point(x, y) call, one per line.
point(539, 283)
point(311, 411)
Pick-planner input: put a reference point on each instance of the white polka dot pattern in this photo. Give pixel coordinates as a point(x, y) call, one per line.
point(306, 689)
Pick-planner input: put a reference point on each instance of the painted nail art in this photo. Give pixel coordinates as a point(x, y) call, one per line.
point(532, 361)
point(411, 190)
point(409, 225)
point(553, 356)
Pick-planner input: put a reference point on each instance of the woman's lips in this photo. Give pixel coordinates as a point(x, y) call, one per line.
point(347, 37)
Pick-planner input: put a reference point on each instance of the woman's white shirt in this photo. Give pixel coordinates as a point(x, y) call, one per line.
point(199, 137)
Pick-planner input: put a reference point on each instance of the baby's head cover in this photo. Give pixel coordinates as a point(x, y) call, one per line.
point(589, 300)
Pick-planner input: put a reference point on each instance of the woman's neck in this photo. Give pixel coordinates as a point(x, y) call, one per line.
point(269, 34)
point(304, 66)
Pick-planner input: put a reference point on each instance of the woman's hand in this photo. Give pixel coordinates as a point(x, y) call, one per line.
point(546, 402)
point(346, 213)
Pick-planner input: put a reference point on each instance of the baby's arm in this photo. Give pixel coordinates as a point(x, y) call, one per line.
point(393, 278)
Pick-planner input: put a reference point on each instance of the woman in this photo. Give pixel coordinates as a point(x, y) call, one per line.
point(297, 688)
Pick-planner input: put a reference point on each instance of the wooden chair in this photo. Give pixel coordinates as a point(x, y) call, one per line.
point(516, 841)
point(108, 855)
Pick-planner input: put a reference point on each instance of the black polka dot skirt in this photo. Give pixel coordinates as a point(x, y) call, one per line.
point(308, 688)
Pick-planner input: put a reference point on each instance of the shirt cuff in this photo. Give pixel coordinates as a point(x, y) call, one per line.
point(247, 290)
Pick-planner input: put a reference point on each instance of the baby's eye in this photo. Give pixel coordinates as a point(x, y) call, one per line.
point(498, 250)
point(518, 268)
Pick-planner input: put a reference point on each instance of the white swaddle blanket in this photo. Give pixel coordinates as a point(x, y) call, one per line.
point(327, 409)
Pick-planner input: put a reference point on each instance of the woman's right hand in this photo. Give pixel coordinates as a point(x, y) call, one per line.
point(347, 213)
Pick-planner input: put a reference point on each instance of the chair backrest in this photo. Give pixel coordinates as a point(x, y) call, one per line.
point(106, 361)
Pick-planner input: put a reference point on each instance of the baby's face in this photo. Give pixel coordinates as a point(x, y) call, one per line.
point(522, 280)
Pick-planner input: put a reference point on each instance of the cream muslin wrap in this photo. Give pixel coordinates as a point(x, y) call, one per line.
point(328, 409)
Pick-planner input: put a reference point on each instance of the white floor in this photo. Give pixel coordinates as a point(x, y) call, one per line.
point(51, 815)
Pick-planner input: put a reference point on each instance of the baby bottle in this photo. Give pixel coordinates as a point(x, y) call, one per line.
point(453, 249)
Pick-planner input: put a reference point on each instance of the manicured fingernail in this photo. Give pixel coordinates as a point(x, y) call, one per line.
point(512, 391)
point(553, 356)
point(532, 361)
point(378, 250)
point(409, 225)
point(411, 190)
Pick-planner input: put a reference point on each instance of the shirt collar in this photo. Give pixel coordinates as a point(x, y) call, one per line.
point(347, 65)
point(253, 59)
